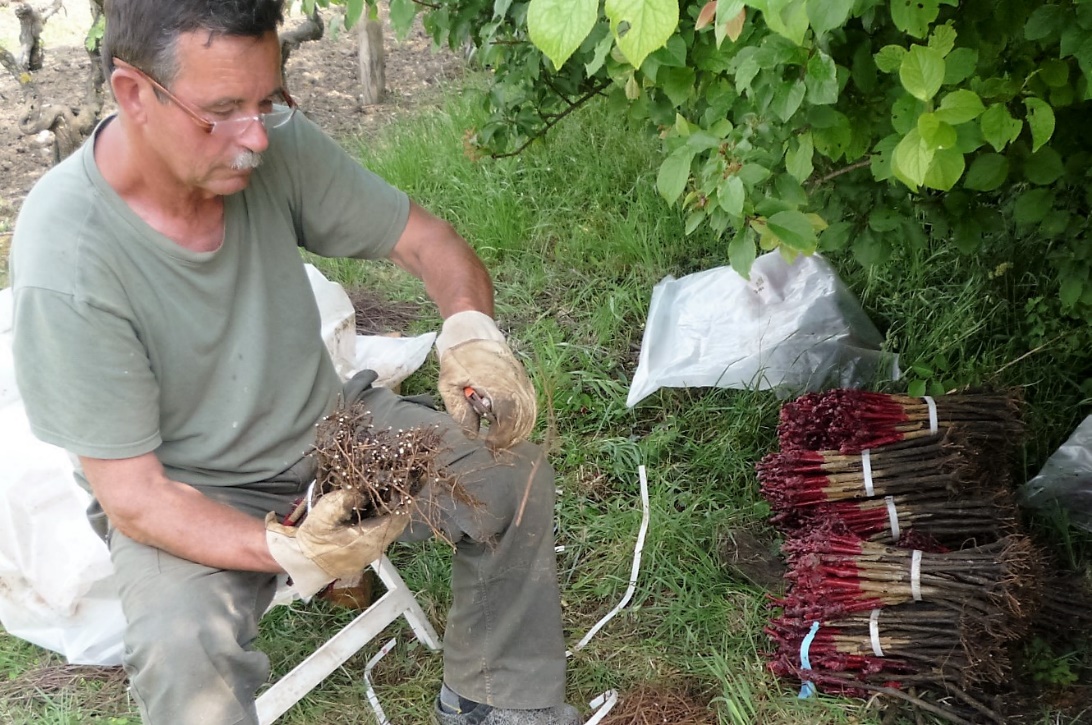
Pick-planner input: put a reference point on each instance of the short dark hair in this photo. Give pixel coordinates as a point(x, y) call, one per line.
point(143, 33)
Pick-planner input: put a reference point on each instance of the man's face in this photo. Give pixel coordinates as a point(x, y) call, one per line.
point(220, 78)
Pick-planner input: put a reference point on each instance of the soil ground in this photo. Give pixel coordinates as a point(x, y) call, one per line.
point(321, 75)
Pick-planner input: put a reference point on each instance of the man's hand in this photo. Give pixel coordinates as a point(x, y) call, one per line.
point(326, 546)
point(473, 354)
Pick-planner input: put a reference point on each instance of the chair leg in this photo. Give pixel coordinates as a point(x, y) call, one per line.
point(398, 601)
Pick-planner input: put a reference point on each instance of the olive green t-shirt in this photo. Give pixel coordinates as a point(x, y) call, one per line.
point(126, 343)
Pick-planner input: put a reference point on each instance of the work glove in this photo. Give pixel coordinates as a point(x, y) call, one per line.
point(330, 544)
point(474, 355)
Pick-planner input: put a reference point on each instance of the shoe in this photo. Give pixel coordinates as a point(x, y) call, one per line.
point(451, 709)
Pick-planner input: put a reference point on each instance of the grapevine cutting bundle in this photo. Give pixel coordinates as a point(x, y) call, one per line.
point(899, 645)
point(924, 485)
point(952, 583)
point(853, 420)
point(835, 574)
point(388, 467)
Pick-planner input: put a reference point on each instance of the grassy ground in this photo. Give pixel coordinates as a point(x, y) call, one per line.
point(576, 237)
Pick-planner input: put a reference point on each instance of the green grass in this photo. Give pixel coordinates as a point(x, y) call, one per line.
point(576, 237)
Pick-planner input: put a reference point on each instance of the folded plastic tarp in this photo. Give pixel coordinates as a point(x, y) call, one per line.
point(793, 327)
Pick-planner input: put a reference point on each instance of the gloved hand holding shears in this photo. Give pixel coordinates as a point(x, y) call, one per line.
point(481, 378)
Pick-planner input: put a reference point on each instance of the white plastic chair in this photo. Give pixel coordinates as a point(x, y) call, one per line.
point(398, 601)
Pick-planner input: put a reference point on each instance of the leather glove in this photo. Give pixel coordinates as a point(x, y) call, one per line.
point(473, 354)
point(326, 546)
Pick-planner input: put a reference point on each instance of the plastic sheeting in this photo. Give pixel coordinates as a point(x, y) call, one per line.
point(56, 579)
point(793, 327)
point(1065, 482)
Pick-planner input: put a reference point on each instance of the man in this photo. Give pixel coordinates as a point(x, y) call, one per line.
point(166, 335)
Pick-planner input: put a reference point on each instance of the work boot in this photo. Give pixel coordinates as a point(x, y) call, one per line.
point(451, 709)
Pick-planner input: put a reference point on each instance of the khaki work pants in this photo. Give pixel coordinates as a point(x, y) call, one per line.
point(189, 642)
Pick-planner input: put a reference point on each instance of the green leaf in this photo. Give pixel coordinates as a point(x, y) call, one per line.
point(835, 237)
point(914, 16)
point(787, 18)
point(916, 389)
point(969, 137)
point(959, 107)
point(727, 10)
point(798, 160)
point(677, 83)
point(824, 15)
point(693, 221)
point(1070, 291)
point(674, 173)
point(353, 10)
point(936, 133)
point(794, 230)
point(881, 158)
point(731, 195)
point(1044, 167)
point(558, 27)
point(787, 99)
point(987, 172)
point(833, 138)
point(904, 113)
point(1032, 206)
point(1040, 121)
point(943, 39)
point(948, 165)
point(870, 249)
point(1055, 223)
point(1047, 20)
point(821, 78)
point(402, 14)
point(884, 219)
point(602, 49)
point(960, 65)
point(999, 128)
point(1054, 72)
point(753, 175)
point(642, 26)
point(912, 159)
point(741, 251)
point(922, 72)
point(889, 59)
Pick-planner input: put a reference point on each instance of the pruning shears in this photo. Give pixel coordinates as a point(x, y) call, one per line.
point(482, 406)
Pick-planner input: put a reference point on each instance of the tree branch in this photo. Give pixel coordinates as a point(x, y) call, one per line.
point(839, 172)
point(310, 29)
point(555, 119)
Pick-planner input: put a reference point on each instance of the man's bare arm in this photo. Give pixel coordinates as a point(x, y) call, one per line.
point(455, 278)
point(150, 508)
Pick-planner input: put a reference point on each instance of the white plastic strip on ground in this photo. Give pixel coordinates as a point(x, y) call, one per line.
point(604, 703)
point(609, 699)
point(633, 572)
point(373, 699)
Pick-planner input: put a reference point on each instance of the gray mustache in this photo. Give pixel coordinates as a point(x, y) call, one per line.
point(246, 160)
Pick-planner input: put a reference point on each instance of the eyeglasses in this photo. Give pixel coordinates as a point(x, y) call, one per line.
point(230, 126)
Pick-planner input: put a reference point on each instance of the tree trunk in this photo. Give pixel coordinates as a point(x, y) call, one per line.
point(372, 62)
point(70, 124)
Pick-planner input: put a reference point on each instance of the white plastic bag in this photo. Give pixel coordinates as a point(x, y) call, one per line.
point(792, 327)
point(56, 584)
point(1065, 481)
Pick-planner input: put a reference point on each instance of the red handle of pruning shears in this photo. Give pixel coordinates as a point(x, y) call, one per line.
point(482, 406)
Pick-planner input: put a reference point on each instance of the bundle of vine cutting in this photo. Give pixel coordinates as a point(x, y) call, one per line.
point(387, 467)
point(903, 645)
point(926, 485)
point(852, 420)
point(906, 568)
point(869, 615)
